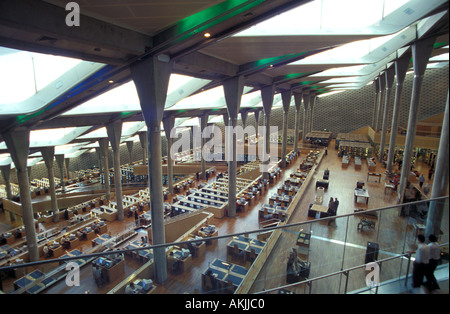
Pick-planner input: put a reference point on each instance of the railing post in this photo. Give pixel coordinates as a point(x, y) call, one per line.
point(309, 284)
point(346, 281)
point(407, 268)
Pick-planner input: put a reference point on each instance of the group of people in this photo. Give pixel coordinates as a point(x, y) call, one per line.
point(427, 259)
point(333, 205)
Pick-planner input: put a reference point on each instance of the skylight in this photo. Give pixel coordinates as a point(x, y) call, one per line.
point(125, 97)
point(351, 17)
point(29, 73)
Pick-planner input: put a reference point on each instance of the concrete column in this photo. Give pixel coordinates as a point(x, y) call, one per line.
point(286, 99)
point(103, 142)
point(257, 124)
point(61, 166)
point(143, 141)
point(6, 173)
point(312, 100)
point(305, 116)
point(267, 94)
point(421, 51)
point(382, 87)
point(389, 78)
point(18, 142)
point(244, 115)
point(151, 77)
point(440, 180)
point(233, 90)
point(130, 150)
point(66, 163)
point(298, 103)
point(401, 66)
point(169, 124)
point(376, 86)
point(99, 156)
point(48, 153)
point(114, 130)
point(203, 125)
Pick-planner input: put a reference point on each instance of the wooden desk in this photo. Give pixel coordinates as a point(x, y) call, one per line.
point(345, 162)
point(174, 255)
point(117, 271)
point(246, 245)
point(373, 174)
point(361, 193)
point(357, 163)
point(57, 250)
point(317, 211)
point(224, 275)
point(389, 187)
point(303, 239)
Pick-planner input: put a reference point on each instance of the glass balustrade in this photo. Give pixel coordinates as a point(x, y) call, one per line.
point(318, 256)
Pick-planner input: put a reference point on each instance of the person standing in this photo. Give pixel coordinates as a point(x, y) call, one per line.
point(331, 211)
point(435, 256)
point(421, 262)
point(430, 173)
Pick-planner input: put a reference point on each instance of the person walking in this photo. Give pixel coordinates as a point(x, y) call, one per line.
point(421, 180)
point(435, 256)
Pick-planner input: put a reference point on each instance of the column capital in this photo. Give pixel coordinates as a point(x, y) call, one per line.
point(233, 89)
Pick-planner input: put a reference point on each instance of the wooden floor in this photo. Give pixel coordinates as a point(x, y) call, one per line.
point(327, 245)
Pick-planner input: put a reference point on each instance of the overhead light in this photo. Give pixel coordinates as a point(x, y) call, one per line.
point(207, 35)
point(110, 81)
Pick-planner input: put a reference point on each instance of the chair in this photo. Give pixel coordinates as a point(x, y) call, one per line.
point(236, 252)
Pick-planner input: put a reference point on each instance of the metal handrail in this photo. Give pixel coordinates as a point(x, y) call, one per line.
point(345, 272)
point(98, 254)
point(212, 238)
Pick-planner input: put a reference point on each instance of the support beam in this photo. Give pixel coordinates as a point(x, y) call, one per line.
point(66, 163)
point(151, 77)
point(62, 167)
point(286, 99)
point(312, 101)
point(305, 116)
point(169, 124)
point(114, 130)
point(389, 78)
point(298, 103)
point(130, 151)
point(143, 141)
point(440, 180)
point(233, 90)
point(376, 85)
point(6, 173)
point(421, 51)
point(103, 142)
point(203, 125)
point(401, 66)
point(381, 87)
point(48, 153)
point(267, 94)
point(99, 156)
point(18, 142)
